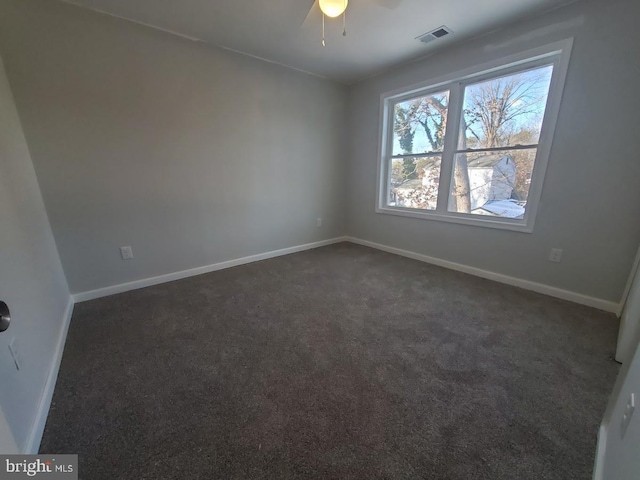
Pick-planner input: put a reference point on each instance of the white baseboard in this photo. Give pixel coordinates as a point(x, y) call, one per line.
point(37, 428)
point(169, 277)
point(575, 297)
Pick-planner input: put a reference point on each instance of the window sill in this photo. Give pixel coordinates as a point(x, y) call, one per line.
point(460, 218)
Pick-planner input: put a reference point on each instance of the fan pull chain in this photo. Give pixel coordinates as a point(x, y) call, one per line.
point(323, 43)
point(344, 22)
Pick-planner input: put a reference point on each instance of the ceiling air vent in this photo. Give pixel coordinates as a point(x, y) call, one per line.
point(434, 34)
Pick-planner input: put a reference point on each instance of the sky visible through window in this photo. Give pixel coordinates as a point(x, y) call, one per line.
point(529, 94)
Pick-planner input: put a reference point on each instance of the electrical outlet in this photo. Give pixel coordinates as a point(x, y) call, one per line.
point(555, 255)
point(126, 253)
point(13, 348)
point(319, 222)
point(628, 413)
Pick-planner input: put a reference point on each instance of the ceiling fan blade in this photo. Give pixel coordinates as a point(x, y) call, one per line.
point(391, 4)
point(313, 16)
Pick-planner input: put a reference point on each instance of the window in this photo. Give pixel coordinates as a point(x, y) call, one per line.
point(473, 149)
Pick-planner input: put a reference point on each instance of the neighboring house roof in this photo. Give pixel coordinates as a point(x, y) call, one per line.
point(488, 161)
point(502, 208)
point(409, 184)
point(432, 163)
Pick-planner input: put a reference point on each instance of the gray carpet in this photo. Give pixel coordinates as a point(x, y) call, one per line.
point(337, 363)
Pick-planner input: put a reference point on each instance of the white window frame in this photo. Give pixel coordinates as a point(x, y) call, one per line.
point(556, 54)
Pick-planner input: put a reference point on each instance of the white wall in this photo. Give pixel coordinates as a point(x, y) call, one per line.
point(32, 282)
point(7, 443)
point(617, 457)
point(629, 334)
point(591, 200)
point(190, 154)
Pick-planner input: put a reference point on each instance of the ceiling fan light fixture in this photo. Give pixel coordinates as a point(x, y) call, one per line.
point(333, 8)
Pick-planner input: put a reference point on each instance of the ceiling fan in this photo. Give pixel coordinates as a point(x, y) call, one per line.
point(336, 8)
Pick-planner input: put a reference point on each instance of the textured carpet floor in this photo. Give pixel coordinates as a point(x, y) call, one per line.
point(337, 363)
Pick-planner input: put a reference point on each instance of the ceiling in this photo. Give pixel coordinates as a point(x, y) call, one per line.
point(377, 37)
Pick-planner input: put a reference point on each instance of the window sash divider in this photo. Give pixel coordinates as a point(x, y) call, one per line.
point(499, 149)
point(416, 155)
point(454, 115)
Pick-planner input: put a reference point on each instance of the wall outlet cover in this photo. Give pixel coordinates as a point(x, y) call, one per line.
point(126, 253)
point(555, 255)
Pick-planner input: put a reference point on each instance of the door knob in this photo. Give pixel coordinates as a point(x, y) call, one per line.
point(5, 316)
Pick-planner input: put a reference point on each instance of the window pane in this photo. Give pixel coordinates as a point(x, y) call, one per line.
point(492, 183)
point(419, 124)
point(505, 111)
point(414, 182)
